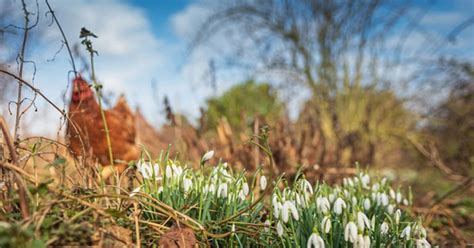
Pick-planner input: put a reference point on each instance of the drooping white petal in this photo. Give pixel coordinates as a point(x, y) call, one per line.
point(207, 156)
point(263, 182)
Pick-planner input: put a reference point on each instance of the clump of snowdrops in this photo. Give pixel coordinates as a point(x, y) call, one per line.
point(226, 208)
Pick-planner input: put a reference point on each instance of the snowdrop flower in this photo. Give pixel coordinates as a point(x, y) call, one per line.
point(177, 170)
point(365, 181)
point(360, 242)
point(384, 180)
point(375, 187)
point(135, 191)
point(422, 243)
point(326, 224)
point(323, 205)
point(307, 186)
point(288, 207)
point(398, 213)
point(148, 171)
point(276, 209)
point(339, 204)
point(354, 201)
point(406, 233)
point(168, 172)
point(382, 199)
point(207, 156)
point(405, 202)
point(160, 189)
point(222, 190)
point(366, 203)
point(187, 184)
point(347, 194)
point(362, 221)
point(267, 223)
point(350, 232)
point(279, 229)
point(263, 182)
point(384, 228)
point(332, 197)
point(390, 208)
point(366, 241)
point(209, 188)
point(392, 193)
point(315, 241)
point(347, 182)
point(398, 197)
point(245, 189)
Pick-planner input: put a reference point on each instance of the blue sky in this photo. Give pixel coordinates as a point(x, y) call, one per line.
point(141, 42)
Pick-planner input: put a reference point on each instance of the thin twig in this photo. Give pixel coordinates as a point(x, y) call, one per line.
point(21, 186)
point(63, 35)
point(20, 73)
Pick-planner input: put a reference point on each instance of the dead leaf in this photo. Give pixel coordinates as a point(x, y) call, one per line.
point(177, 237)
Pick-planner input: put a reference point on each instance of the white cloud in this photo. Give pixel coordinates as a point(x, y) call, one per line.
point(186, 22)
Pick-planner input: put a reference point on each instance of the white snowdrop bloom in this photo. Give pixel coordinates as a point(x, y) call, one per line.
point(279, 229)
point(242, 195)
point(366, 241)
point(187, 184)
point(362, 221)
point(375, 187)
point(168, 172)
point(222, 190)
point(276, 209)
point(392, 193)
point(177, 170)
point(149, 171)
point(383, 199)
point(339, 204)
point(245, 188)
point(390, 209)
point(375, 197)
point(135, 191)
point(212, 188)
point(372, 221)
point(354, 200)
point(398, 213)
point(326, 224)
point(384, 228)
point(350, 182)
point(366, 203)
point(350, 232)
point(160, 189)
point(405, 202)
point(267, 224)
point(307, 186)
point(347, 194)
point(300, 200)
point(384, 180)
point(289, 207)
point(406, 233)
point(356, 180)
point(263, 182)
point(419, 231)
point(398, 197)
point(322, 204)
point(422, 243)
point(285, 215)
point(274, 200)
point(315, 241)
point(332, 197)
point(207, 156)
point(359, 242)
point(365, 181)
